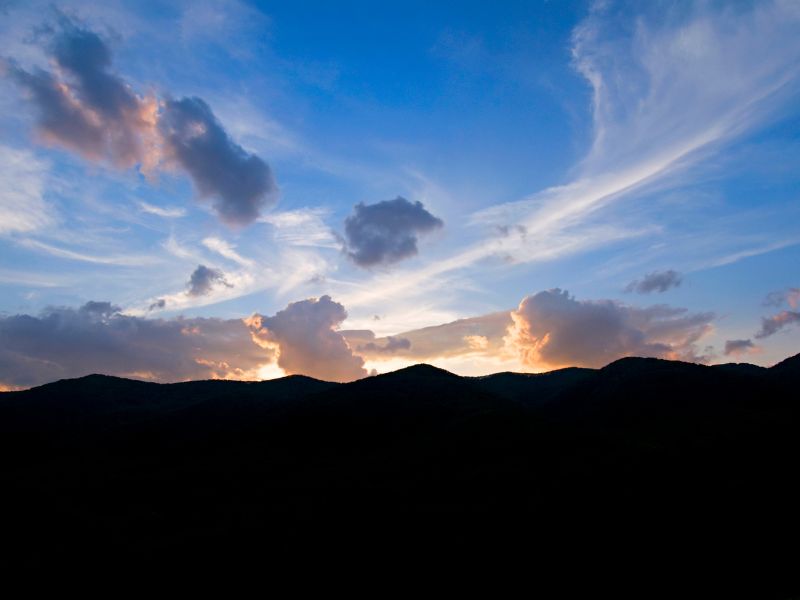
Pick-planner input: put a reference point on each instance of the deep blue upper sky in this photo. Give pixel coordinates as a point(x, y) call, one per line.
point(418, 163)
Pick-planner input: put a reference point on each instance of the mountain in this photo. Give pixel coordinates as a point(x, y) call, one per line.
point(643, 451)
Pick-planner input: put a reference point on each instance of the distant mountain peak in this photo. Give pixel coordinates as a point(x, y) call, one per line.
point(789, 364)
point(424, 370)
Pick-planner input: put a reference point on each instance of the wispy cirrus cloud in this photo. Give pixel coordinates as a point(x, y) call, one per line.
point(302, 227)
point(123, 260)
point(663, 100)
point(226, 250)
point(168, 212)
point(22, 204)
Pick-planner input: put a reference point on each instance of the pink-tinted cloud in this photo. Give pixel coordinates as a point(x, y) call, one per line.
point(553, 329)
point(85, 107)
point(307, 341)
point(739, 347)
point(772, 325)
point(97, 338)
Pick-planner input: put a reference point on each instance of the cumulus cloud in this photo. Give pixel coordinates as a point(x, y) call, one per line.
point(240, 183)
point(658, 281)
point(739, 347)
point(306, 337)
point(85, 107)
point(98, 338)
point(386, 232)
point(554, 329)
point(772, 325)
point(203, 280)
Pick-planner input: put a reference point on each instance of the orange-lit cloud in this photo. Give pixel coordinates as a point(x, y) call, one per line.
point(85, 107)
point(98, 338)
point(307, 341)
point(553, 329)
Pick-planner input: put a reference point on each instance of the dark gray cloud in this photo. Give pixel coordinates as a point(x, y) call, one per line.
point(771, 325)
point(88, 108)
point(554, 329)
point(97, 338)
point(61, 120)
point(391, 345)
point(240, 183)
point(386, 232)
point(658, 281)
point(738, 347)
point(203, 280)
point(307, 340)
point(158, 304)
point(85, 107)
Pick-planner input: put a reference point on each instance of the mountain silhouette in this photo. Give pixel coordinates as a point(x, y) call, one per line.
point(644, 451)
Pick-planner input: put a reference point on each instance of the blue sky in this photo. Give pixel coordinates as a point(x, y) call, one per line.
point(642, 157)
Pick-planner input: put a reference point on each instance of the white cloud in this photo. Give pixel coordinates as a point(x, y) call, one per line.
point(226, 250)
point(22, 179)
point(168, 212)
point(302, 227)
point(104, 259)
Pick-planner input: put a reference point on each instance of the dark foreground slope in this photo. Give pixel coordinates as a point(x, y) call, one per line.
point(644, 459)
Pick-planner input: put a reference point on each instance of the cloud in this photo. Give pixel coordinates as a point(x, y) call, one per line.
point(386, 232)
point(302, 227)
point(86, 107)
point(662, 101)
point(739, 347)
point(305, 337)
point(226, 250)
point(790, 296)
point(89, 109)
point(98, 338)
point(483, 334)
point(658, 281)
point(771, 325)
point(240, 183)
point(203, 280)
point(157, 305)
point(22, 204)
point(390, 346)
point(554, 329)
point(166, 212)
point(124, 260)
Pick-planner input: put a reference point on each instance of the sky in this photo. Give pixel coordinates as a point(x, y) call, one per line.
point(246, 190)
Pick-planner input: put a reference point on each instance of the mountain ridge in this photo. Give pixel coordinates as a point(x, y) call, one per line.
point(431, 370)
point(640, 450)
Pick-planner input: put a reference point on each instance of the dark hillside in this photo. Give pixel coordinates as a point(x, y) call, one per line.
point(661, 456)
